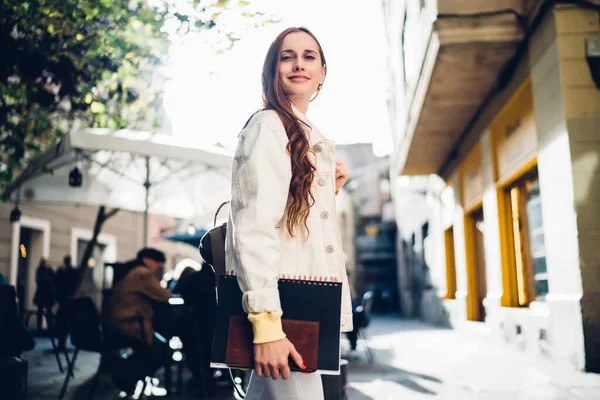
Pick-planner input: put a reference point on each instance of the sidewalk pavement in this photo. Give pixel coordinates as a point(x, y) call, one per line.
point(413, 361)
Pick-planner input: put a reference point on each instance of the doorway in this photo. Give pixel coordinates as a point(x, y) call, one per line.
point(23, 273)
point(94, 274)
point(91, 281)
point(416, 278)
point(476, 270)
point(31, 242)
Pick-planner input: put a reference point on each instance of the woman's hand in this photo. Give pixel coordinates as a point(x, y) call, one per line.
point(341, 175)
point(271, 358)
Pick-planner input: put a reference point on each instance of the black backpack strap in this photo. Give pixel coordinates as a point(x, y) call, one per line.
point(217, 213)
point(217, 244)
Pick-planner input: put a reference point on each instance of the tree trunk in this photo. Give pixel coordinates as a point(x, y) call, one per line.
point(89, 248)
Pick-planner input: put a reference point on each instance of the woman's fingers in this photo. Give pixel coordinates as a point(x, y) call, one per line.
point(266, 371)
point(271, 359)
point(274, 371)
point(285, 371)
point(297, 357)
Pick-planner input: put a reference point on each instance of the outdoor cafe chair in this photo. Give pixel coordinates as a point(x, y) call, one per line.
point(87, 334)
point(362, 317)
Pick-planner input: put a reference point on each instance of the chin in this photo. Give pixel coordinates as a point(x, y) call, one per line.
point(296, 93)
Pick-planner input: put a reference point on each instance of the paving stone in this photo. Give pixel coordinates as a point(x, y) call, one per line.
point(413, 361)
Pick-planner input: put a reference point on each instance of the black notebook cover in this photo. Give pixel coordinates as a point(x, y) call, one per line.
point(301, 300)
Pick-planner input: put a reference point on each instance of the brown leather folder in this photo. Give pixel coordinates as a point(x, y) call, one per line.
point(304, 335)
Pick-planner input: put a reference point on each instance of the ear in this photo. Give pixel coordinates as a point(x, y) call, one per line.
point(323, 73)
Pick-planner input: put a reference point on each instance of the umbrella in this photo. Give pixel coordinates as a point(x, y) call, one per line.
point(131, 170)
point(192, 239)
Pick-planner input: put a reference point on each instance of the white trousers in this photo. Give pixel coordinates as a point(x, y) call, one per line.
point(298, 386)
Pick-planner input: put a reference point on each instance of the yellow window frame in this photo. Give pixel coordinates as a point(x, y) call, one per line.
point(450, 264)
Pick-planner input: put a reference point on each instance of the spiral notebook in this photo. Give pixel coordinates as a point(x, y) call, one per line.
point(311, 321)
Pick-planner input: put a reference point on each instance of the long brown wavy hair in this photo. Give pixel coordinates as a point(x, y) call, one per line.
point(298, 147)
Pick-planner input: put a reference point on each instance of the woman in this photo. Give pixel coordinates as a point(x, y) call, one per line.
point(282, 216)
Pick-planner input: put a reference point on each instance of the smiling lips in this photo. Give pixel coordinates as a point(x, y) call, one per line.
point(298, 78)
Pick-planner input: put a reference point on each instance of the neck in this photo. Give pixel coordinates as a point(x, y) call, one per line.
point(300, 103)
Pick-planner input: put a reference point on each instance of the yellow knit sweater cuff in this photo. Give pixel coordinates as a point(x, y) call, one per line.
point(267, 326)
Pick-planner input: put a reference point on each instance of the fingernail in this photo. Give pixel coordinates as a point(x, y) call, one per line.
point(303, 366)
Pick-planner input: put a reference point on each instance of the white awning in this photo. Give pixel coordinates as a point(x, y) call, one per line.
point(184, 181)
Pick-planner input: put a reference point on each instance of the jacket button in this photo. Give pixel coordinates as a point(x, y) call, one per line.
point(329, 249)
point(321, 182)
point(317, 148)
point(324, 215)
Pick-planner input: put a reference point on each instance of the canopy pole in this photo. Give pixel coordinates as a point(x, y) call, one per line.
point(147, 186)
point(14, 249)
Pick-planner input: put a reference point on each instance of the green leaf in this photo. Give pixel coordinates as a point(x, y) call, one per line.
point(97, 108)
point(102, 52)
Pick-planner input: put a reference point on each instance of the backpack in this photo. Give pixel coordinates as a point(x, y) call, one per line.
point(212, 246)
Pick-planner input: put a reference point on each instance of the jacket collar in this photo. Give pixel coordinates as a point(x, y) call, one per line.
point(314, 136)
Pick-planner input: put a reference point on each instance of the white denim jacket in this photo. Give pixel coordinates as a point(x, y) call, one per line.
point(259, 247)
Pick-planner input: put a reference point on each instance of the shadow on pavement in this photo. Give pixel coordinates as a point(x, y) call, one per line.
point(364, 373)
point(359, 371)
point(355, 394)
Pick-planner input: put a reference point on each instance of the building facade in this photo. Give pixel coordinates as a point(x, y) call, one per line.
point(373, 250)
point(53, 231)
point(497, 169)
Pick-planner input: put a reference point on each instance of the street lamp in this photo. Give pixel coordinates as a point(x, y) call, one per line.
point(75, 178)
point(15, 214)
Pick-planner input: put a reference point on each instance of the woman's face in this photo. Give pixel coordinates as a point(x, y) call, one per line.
point(301, 69)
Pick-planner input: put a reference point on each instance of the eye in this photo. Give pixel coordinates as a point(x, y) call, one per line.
point(286, 58)
point(310, 57)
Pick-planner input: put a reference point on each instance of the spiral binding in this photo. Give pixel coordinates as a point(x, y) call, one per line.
point(311, 280)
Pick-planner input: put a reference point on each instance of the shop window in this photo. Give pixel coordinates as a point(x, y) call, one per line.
point(450, 264)
point(527, 237)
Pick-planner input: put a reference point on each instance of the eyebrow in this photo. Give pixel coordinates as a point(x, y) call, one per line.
point(292, 51)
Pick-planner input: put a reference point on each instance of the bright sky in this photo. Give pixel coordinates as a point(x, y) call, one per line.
point(209, 98)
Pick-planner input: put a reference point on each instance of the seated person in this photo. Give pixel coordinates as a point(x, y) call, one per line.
point(14, 337)
point(197, 288)
point(176, 284)
point(134, 296)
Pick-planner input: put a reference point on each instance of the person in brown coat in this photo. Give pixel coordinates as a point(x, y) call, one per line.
point(136, 293)
point(134, 296)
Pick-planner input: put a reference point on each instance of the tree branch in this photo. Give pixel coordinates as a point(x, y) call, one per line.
point(113, 212)
point(101, 218)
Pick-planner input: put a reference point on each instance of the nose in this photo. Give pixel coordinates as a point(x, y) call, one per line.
point(299, 66)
